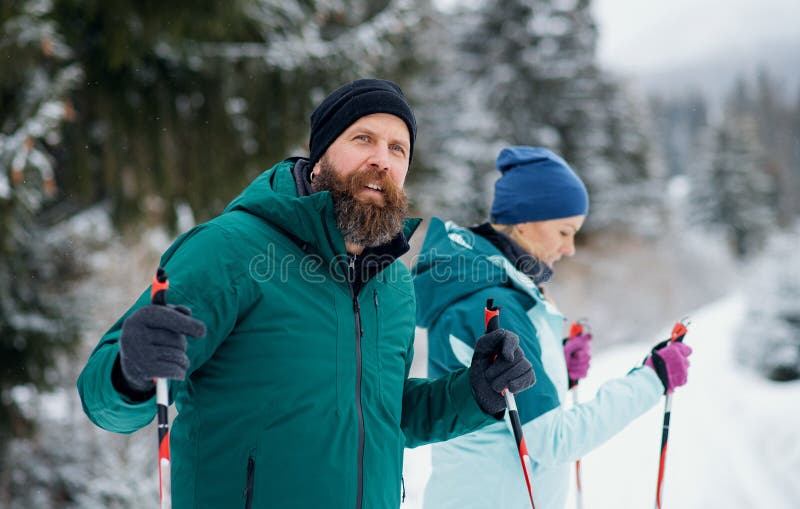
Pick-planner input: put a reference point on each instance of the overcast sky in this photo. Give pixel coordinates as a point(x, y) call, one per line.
point(640, 37)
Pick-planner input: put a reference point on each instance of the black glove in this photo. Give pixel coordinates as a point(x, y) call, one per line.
point(153, 344)
point(498, 362)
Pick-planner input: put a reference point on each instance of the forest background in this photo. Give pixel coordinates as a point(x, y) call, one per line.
point(125, 123)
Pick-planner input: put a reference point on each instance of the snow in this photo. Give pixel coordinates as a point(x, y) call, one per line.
point(733, 439)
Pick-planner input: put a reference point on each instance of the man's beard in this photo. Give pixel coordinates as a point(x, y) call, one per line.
point(362, 220)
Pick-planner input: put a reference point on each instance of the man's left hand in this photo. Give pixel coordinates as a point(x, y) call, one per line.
point(498, 363)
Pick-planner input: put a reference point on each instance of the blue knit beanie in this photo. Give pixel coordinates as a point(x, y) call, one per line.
point(536, 185)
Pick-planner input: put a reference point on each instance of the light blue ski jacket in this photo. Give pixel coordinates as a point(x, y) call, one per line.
point(456, 272)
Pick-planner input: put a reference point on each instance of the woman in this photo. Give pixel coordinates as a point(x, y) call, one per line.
point(539, 206)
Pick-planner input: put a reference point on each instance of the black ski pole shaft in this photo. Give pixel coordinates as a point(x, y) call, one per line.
point(678, 333)
point(491, 320)
point(158, 296)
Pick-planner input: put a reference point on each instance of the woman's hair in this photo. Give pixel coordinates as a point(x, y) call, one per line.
point(504, 228)
point(516, 236)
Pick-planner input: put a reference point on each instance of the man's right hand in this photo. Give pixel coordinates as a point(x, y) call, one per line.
point(153, 344)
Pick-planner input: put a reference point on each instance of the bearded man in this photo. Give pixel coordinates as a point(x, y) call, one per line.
point(293, 389)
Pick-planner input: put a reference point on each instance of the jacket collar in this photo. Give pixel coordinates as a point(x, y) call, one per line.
point(282, 196)
point(522, 260)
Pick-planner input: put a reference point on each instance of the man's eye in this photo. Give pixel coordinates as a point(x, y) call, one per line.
point(398, 148)
point(362, 137)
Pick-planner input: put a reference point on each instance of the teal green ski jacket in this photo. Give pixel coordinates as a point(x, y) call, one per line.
point(299, 395)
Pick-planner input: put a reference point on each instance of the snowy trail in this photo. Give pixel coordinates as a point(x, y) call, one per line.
point(733, 438)
point(727, 411)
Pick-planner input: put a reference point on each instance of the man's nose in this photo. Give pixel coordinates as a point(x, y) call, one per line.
point(379, 158)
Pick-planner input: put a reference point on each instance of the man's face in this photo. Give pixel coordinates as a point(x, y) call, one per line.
point(379, 141)
point(364, 169)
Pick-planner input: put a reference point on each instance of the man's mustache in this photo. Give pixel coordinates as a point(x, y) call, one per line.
point(358, 180)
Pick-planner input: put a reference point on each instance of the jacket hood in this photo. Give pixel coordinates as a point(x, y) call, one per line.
point(310, 221)
point(454, 263)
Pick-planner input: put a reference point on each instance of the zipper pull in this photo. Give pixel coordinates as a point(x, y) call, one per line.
point(352, 262)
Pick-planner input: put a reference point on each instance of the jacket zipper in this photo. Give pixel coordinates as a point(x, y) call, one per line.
point(359, 409)
point(402, 479)
point(248, 491)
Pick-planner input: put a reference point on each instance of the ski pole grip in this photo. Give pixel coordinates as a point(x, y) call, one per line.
point(491, 316)
point(679, 331)
point(575, 330)
point(158, 292)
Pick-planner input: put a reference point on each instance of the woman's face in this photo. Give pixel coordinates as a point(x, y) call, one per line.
point(549, 240)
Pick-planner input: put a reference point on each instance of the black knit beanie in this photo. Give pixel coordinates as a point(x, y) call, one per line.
point(352, 101)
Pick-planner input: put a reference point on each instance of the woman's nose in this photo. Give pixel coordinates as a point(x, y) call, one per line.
point(569, 247)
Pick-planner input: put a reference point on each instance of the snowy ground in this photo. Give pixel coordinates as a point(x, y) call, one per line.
point(734, 439)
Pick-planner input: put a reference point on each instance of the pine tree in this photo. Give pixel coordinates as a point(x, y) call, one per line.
point(774, 118)
point(774, 311)
point(457, 143)
point(141, 106)
point(679, 121)
point(626, 179)
point(745, 191)
point(523, 72)
point(794, 155)
point(184, 104)
point(35, 331)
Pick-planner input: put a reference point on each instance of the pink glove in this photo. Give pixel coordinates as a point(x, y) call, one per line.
point(671, 364)
point(578, 354)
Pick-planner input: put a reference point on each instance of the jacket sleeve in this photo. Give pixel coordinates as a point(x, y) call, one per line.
point(452, 338)
point(440, 409)
point(555, 434)
point(562, 435)
point(200, 280)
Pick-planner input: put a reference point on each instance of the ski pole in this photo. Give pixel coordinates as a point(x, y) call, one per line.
point(575, 330)
point(491, 320)
point(678, 332)
point(158, 296)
